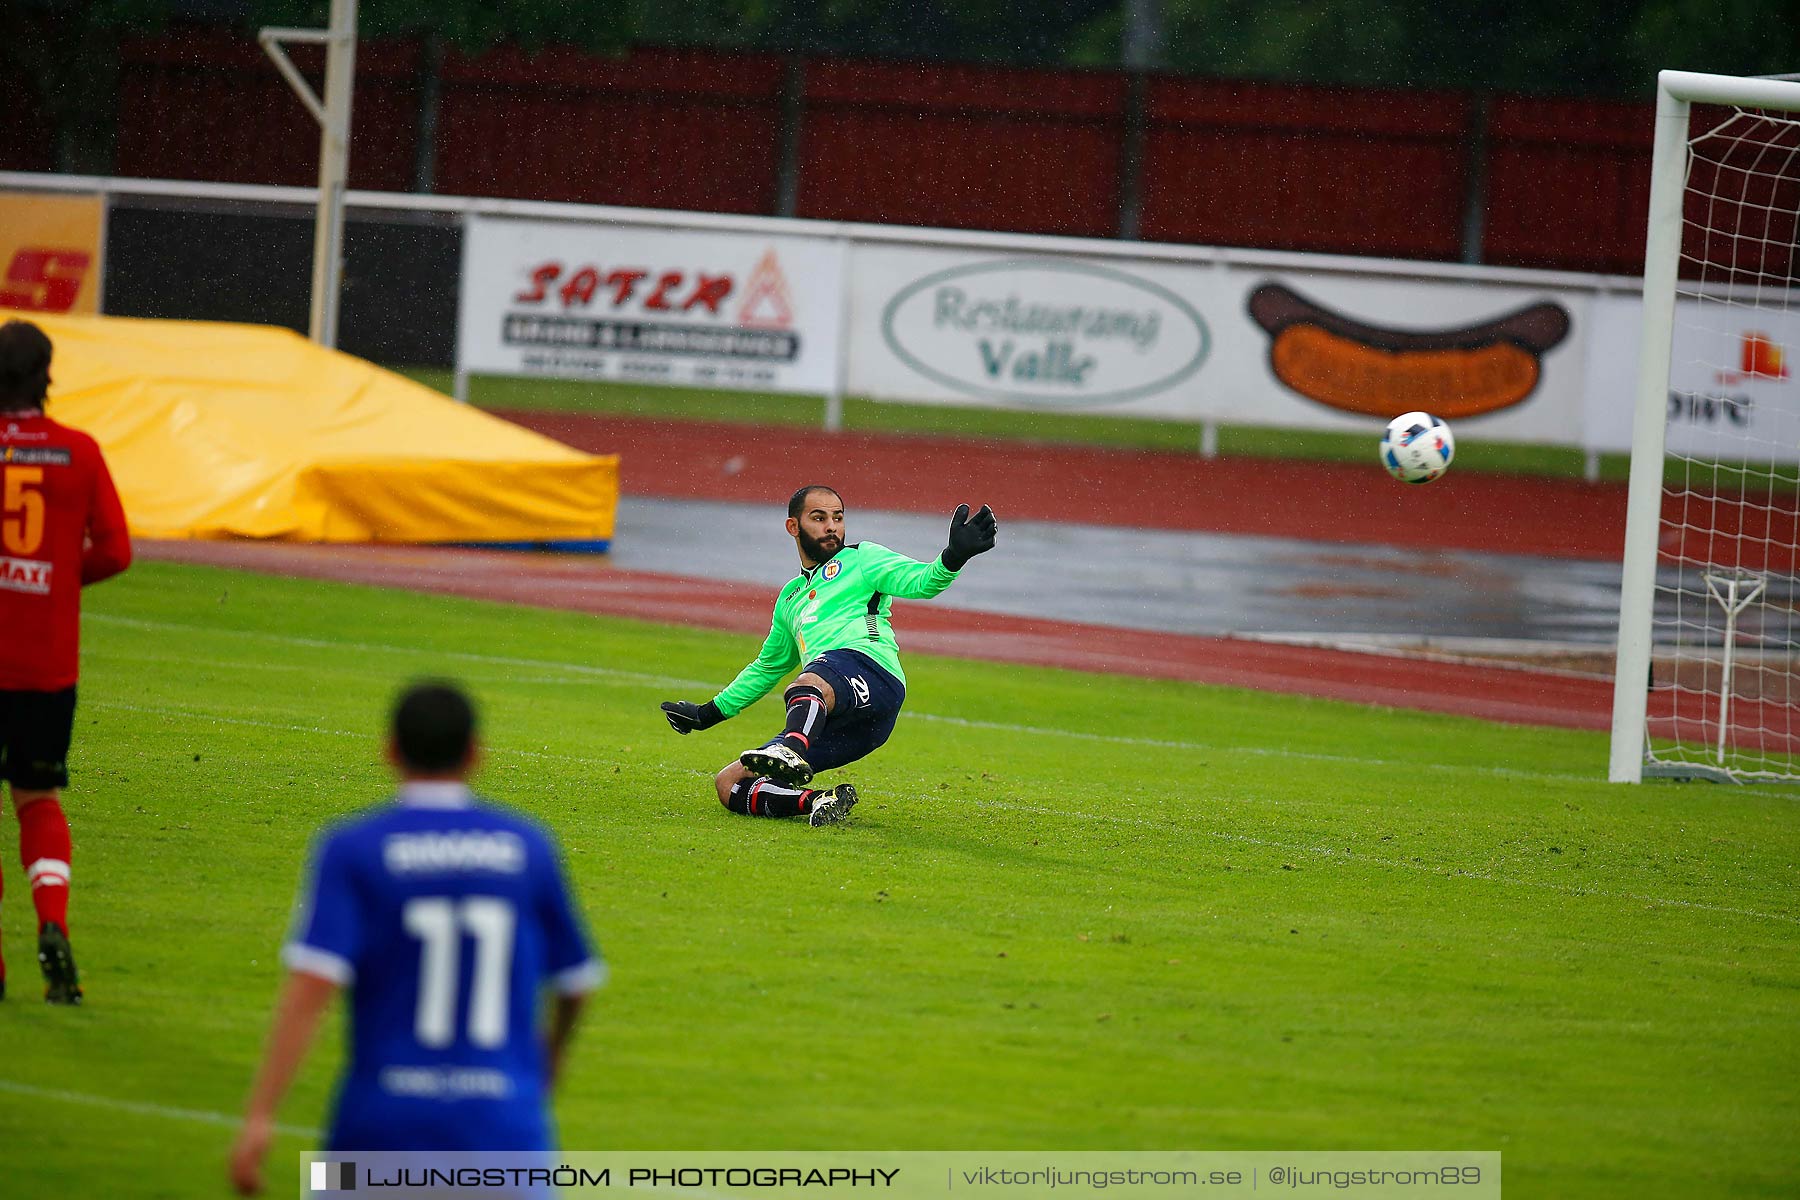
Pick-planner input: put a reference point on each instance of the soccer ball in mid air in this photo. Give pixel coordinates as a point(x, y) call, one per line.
point(1417, 447)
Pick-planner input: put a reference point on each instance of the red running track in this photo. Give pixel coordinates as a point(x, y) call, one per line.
point(1321, 502)
point(592, 585)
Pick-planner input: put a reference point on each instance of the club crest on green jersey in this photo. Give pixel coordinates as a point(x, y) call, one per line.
point(832, 568)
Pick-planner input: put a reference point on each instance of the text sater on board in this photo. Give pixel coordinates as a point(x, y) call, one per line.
point(588, 285)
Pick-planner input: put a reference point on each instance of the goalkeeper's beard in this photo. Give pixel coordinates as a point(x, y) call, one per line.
point(819, 552)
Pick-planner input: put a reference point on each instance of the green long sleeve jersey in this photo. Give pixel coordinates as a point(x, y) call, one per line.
point(842, 604)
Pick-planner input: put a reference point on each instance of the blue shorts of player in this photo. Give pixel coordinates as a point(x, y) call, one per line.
point(868, 701)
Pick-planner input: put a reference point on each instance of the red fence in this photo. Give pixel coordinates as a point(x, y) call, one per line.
point(1553, 183)
point(212, 108)
point(25, 142)
point(963, 147)
point(657, 130)
point(1356, 172)
point(1568, 184)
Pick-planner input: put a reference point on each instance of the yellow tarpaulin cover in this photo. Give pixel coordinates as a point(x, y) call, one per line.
point(216, 431)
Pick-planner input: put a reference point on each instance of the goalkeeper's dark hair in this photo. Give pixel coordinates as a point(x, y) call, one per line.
point(24, 366)
point(434, 726)
point(797, 503)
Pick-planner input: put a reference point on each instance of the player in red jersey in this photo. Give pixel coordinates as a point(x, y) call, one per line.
point(61, 528)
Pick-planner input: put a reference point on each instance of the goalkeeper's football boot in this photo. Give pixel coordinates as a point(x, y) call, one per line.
point(780, 762)
point(61, 983)
point(833, 806)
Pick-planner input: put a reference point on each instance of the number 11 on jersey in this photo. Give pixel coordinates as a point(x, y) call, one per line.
point(439, 923)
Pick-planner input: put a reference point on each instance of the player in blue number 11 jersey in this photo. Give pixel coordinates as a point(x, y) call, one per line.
point(445, 918)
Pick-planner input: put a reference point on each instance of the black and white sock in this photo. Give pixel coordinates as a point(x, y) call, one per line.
point(805, 716)
point(765, 798)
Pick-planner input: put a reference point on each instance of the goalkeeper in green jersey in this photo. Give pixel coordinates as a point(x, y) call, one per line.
point(833, 617)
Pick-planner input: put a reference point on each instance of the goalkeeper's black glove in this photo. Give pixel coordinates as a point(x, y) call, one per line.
point(685, 716)
point(969, 536)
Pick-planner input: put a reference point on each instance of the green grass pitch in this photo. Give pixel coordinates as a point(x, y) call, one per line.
point(1074, 912)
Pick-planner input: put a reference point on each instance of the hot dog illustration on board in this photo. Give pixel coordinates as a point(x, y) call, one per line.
point(1381, 371)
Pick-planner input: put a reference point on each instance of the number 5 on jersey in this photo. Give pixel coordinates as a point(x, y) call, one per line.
point(21, 509)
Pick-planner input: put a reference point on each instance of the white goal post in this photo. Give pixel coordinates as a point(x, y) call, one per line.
point(1708, 669)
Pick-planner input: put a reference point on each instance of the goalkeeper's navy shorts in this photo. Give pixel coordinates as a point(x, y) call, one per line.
point(868, 704)
point(34, 738)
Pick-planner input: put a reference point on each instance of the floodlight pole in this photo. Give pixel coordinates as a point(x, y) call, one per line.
point(333, 116)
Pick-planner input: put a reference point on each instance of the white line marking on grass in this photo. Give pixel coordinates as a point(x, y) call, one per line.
point(195, 715)
point(186, 660)
point(1246, 839)
point(144, 1108)
point(498, 660)
point(222, 1120)
point(323, 731)
point(669, 681)
point(1401, 864)
point(258, 667)
point(1263, 751)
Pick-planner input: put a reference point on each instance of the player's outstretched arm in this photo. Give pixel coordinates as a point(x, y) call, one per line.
point(303, 1001)
point(969, 536)
point(685, 716)
point(780, 654)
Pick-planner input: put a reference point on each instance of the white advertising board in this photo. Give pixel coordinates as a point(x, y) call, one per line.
point(682, 307)
point(942, 326)
point(1304, 349)
point(1336, 350)
point(1733, 388)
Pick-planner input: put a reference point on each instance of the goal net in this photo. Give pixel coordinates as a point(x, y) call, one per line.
point(1709, 633)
